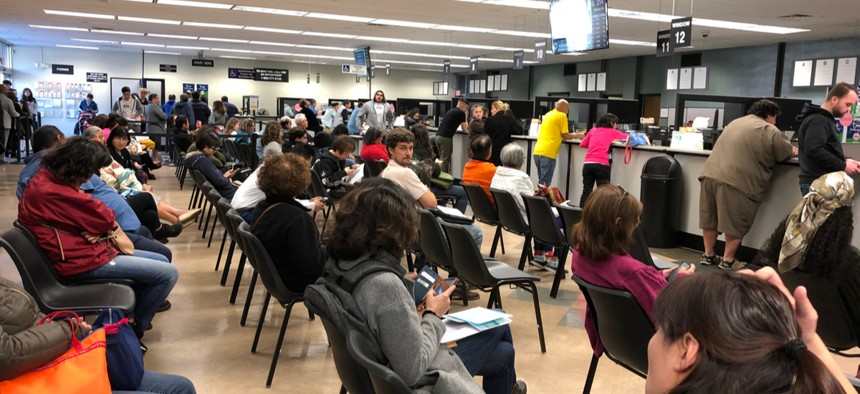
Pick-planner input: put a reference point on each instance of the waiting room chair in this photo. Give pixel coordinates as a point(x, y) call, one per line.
point(512, 221)
point(53, 293)
point(319, 190)
point(622, 326)
point(545, 229)
point(489, 275)
point(485, 212)
point(385, 380)
point(374, 168)
point(221, 209)
point(236, 221)
point(570, 216)
point(212, 197)
point(274, 286)
point(834, 322)
point(434, 246)
point(638, 249)
point(354, 378)
point(205, 188)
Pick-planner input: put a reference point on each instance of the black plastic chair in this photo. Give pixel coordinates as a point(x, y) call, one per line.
point(485, 212)
point(570, 216)
point(319, 190)
point(354, 378)
point(489, 275)
point(268, 274)
point(622, 326)
point(52, 293)
point(834, 322)
point(212, 197)
point(434, 246)
point(385, 381)
point(638, 249)
point(221, 208)
point(544, 228)
point(374, 168)
point(235, 221)
point(512, 221)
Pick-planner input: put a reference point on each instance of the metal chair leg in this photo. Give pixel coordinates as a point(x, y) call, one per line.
point(590, 379)
point(221, 250)
point(260, 323)
point(248, 299)
point(212, 231)
point(530, 286)
point(526, 249)
point(559, 273)
point(496, 241)
point(208, 217)
point(237, 281)
point(278, 345)
point(227, 270)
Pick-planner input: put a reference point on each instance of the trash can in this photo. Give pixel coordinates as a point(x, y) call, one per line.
point(661, 201)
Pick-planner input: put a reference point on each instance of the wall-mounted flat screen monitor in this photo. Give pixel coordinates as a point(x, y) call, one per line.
point(578, 25)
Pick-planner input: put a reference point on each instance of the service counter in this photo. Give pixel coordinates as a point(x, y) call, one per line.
point(784, 192)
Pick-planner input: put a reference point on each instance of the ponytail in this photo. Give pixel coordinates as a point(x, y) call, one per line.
point(811, 375)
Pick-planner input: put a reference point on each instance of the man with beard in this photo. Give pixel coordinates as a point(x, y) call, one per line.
point(818, 142)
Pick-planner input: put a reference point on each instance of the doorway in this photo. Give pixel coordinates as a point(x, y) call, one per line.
point(651, 106)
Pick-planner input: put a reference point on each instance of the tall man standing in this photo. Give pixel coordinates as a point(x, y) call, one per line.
point(820, 148)
point(454, 119)
point(736, 177)
point(553, 129)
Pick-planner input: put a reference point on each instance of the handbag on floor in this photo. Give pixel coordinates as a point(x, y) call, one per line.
point(82, 369)
point(124, 357)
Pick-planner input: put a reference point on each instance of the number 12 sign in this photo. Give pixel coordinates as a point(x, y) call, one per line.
point(681, 33)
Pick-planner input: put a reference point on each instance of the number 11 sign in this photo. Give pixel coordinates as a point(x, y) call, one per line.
point(663, 47)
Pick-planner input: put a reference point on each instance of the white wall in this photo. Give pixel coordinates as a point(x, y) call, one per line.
point(333, 83)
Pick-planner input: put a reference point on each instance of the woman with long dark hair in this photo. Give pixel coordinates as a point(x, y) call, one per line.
point(732, 332)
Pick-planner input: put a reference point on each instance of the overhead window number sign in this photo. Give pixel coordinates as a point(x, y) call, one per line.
point(663, 47)
point(681, 32)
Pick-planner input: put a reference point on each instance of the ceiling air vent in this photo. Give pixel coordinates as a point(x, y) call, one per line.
point(794, 16)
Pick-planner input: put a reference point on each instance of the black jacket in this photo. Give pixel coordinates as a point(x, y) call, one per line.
point(500, 127)
point(820, 151)
point(313, 123)
point(330, 169)
point(201, 111)
point(290, 236)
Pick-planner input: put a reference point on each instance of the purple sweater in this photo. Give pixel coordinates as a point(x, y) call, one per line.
point(621, 273)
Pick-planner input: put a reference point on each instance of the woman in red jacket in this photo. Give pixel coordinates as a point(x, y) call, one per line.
point(373, 148)
point(71, 228)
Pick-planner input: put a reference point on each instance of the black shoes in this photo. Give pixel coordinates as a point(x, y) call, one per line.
point(167, 231)
point(164, 306)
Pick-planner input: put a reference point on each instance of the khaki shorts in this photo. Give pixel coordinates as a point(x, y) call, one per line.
point(725, 208)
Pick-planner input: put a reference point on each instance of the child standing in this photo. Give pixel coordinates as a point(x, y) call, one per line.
point(596, 167)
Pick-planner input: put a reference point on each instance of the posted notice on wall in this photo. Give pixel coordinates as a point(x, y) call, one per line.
point(823, 72)
point(802, 73)
point(672, 79)
point(846, 70)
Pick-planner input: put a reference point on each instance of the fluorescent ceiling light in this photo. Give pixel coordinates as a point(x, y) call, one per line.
point(223, 40)
point(273, 30)
point(187, 47)
point(383, 39)
point(348, 18)
point(377, 61)
point(277, 44)
point(124, 33)
point(522, 33)
point(201, 4)
point(231, 50)
point(78, 47)
point(631, 42)
point(171, 36)
point(324, 56)
point(416, 54)
point(429, 69)
point(141, 1)
point(654, 17)
point(264, 10)
point(538, 5)
point(324, 47)
point(394, 22)
point(58, 28)
point(80, 14)
point(148, 20)
point(141, 44)
point(163, 53)
point(212, 25)
point(434, 43)
point(274, 53)
point(463, 28)
point(331, 35)
point(94, 41)
point(238, 57)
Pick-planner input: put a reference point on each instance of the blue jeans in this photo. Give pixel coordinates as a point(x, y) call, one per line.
point(455, 191)
point(147, 244)
point(491, 355)
point(545, 167)
point(154, 282)
point(154, 382)
point(804, 189)
point(150, 255)
point(246, 214)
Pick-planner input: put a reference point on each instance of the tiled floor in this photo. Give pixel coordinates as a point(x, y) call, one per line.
point(200, 337)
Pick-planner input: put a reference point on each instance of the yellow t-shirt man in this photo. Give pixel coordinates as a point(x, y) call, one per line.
point(552, 130)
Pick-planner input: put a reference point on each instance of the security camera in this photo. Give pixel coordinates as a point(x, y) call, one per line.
point(705, 34)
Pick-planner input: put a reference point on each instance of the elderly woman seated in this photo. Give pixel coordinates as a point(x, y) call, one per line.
point(283, 224)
